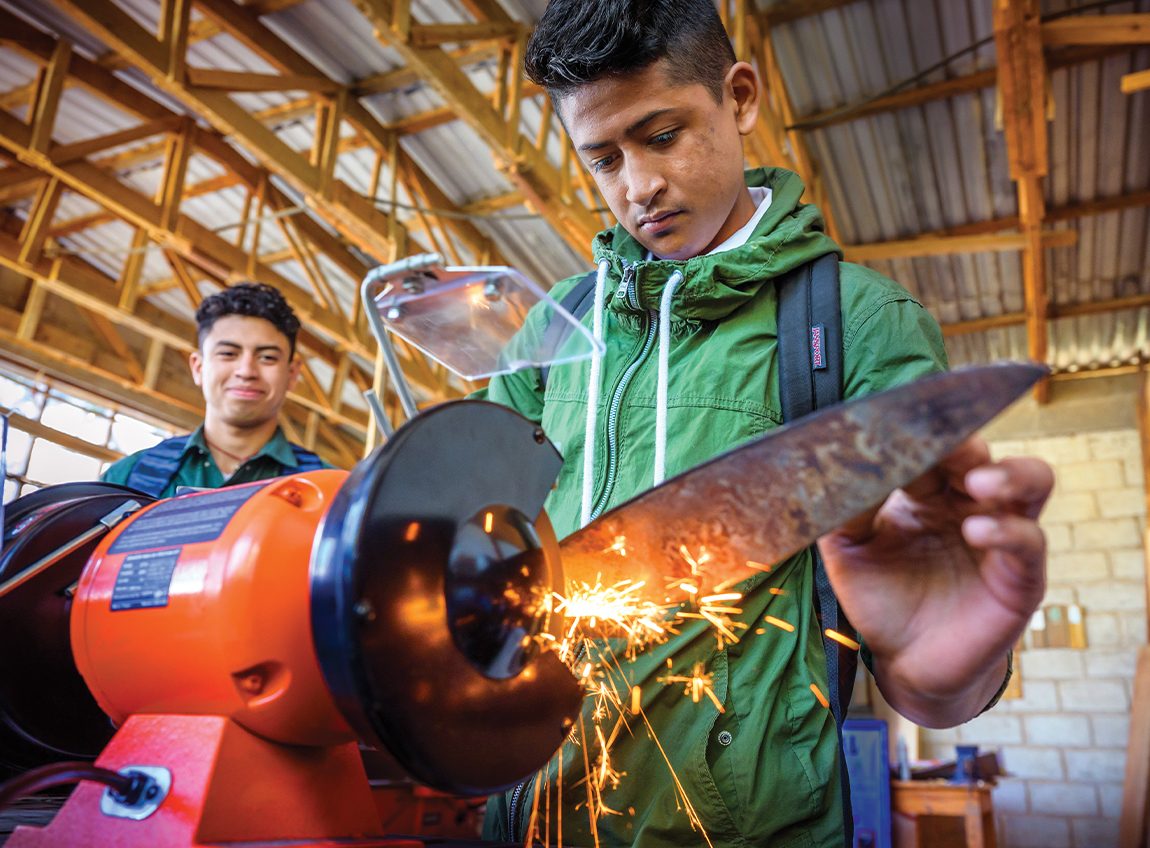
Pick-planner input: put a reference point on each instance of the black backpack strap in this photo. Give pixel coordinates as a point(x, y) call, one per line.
point(157, 467)
point(305, 460)
point(578, 301)
point(810, 362)
point(810, 341)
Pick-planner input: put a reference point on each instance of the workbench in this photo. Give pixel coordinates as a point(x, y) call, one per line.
point(925, 813)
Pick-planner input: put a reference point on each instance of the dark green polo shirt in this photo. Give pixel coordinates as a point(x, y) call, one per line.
point(198, 469)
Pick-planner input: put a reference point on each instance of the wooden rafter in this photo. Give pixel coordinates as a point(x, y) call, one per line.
point(37, 226)
point(776, 90)
point(1137, 81)
point(1098, 29)
point(531, 172)
point(1022, 84)
point(949, 245)
point(943, 89)
point(334, 200)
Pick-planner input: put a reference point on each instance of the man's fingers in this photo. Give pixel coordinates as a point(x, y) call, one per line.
point(860, 528)
point(951, 471)
point(1020, 484)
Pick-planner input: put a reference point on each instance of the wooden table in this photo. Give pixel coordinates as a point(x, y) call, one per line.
point(914, 799)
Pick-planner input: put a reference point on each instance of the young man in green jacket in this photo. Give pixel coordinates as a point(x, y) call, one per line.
point(245, 363)
point(940, 581)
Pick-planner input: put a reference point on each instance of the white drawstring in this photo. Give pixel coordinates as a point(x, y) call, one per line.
point(661, 391)
point(593, 396)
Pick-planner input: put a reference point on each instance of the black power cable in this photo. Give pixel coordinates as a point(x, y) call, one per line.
point(127, 788)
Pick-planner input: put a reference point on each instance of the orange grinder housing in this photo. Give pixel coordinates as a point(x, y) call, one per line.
point(218, 587)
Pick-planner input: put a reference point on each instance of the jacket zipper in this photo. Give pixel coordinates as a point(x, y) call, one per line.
point(627, 289)
point(513, 812)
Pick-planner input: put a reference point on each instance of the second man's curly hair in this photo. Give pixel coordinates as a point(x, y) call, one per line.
point(255, 300)
point(577, 42)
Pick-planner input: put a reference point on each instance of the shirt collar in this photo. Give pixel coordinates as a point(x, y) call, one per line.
point(277, 447)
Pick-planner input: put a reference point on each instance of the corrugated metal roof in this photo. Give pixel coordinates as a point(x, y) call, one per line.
point(889, 176)
point(944, 164)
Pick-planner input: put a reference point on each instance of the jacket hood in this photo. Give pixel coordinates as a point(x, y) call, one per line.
point(790, 234)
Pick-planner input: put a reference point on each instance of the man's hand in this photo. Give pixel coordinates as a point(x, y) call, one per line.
point(942, 579)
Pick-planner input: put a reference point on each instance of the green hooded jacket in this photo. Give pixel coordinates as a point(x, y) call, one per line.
point(764, 770)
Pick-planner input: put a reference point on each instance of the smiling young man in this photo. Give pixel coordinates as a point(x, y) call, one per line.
point(245, 364)
point(686, 304)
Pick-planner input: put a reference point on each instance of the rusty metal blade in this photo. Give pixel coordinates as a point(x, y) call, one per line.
point(769, 498)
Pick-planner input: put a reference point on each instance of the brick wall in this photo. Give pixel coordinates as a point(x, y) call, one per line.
point(1064, 741)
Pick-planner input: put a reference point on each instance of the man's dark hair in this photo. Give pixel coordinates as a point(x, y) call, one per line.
point(256, 300)
point(578, 41)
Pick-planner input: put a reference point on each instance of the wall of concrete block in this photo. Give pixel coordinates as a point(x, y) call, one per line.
point(1063, 742)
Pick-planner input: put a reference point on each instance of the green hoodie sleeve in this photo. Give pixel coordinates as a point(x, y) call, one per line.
point(889, 338)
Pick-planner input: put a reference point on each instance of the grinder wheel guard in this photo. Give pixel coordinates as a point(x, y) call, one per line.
point(429, 582)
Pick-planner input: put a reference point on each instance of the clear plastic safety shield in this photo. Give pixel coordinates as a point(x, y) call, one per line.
point(477, 321)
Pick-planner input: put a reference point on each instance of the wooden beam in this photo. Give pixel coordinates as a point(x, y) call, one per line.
point(175, 23)
point(250, 81)
point(39, 219)
point(183, 277)
point(979, 325)
point(48, 91)
point(804, 162)
point(340, 206)
point(400, 78)
point(1097, 29)
point(943, 89)
point(531, 172)
point(111, 336)
point(17, 177)
point(171, 191)
point(1022, 83)
point(129, 283)
point(155, 363)
point(770, 136)
point(326, 149)
point(1137, 81)
point(1134, 819)
point(32, 312)
point(495, 203)
point(67, 440)
point(63, 153)
point(464, 229)
point(436, 35)
point(947, 245)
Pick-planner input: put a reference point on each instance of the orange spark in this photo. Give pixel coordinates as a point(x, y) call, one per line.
point(412, 532)
point(488, 522)
point(841, 639)
point(726, 596)
point(619, 546)
point(697, 684)
point(822, 698)
point(778, 622)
